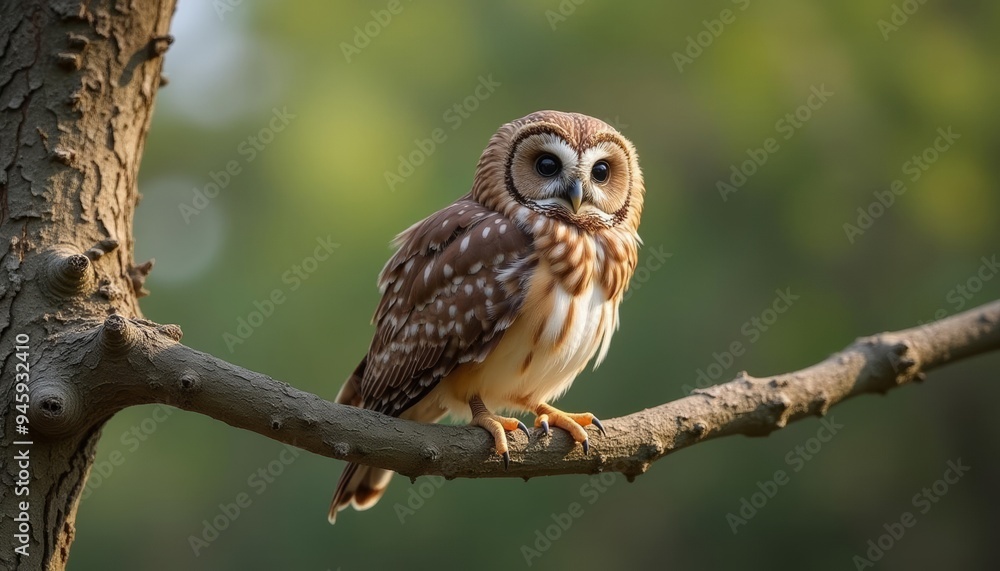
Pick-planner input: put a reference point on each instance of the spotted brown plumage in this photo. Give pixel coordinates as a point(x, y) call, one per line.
point(500, 299)
point(443, 301)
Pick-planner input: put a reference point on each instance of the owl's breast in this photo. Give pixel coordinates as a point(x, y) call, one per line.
point(556, 333)
point(569, 321)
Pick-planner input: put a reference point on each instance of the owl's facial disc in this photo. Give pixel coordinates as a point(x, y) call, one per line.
point(586, 186)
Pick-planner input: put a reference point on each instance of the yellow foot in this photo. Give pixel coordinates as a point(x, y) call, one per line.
point(570, 422)
point(496, 425)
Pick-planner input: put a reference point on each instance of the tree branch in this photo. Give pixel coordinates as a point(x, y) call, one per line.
point(147, 365)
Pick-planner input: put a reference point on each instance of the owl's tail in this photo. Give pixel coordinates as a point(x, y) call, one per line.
point(362, 486)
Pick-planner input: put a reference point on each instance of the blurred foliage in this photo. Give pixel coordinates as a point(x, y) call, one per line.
point(323, 176)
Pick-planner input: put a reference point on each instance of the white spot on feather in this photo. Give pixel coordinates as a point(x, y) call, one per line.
point(427, 271)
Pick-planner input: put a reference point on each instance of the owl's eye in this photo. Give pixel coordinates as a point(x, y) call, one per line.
point(600, 171)
point(547, 165)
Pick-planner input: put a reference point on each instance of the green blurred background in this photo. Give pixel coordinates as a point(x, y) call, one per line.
point(323, 176)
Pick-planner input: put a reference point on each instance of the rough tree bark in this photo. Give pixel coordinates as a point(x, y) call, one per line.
point(77, 85)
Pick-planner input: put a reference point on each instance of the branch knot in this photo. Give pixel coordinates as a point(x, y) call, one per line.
point(56, 408)
point(117, 335)
point(67, 273)
point(189, 381)
point(159, 45)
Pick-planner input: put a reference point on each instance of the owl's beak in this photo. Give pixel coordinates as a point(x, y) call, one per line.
point(574, 194)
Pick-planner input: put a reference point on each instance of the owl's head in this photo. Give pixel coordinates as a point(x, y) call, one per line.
point(567, 166)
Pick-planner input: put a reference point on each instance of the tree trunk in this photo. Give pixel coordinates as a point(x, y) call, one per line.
point(77, 86)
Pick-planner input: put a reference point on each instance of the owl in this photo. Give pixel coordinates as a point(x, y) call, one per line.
point(498, 301)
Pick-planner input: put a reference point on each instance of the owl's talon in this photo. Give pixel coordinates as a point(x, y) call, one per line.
point(498, 427)
point(599, 426)
point(570, 422)
point(524, 429)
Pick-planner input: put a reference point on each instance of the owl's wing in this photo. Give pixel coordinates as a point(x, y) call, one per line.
point(448, 294)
